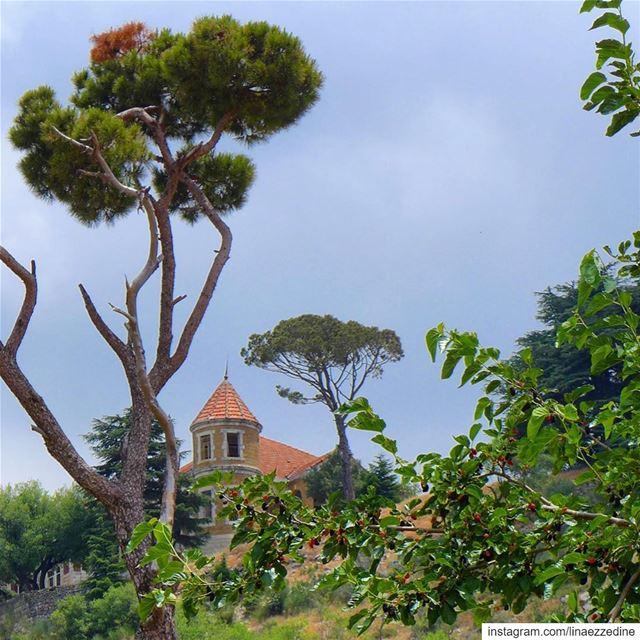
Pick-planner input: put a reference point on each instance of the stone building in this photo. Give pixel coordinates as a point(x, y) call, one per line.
point(227, 436)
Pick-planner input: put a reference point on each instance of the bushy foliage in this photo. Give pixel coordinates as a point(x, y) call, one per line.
point(253, 80)
point(38, 530)
point(564, 366)
point(325, 479)
point(117, 42)
point(115, 615)
point(70, 619)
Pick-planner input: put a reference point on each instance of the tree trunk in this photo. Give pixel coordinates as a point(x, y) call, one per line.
point(40, 573)
point(129, 512)
point(161, 624)
point(346, 459)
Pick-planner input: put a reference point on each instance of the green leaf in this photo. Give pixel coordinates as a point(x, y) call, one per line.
point(572, 602)
point(549, 573)
point(609, 49)
point(475, 429)
point(578, 392)
point(433, 338)
point(589, 269)
point(386, 443)
point(535, 422)
point(587, 5)
point(584, 291)
point(450, 363)
point(146, 605)
point(593, 81)
point(158, 552)
point(481, 406)
point(212, 479)
point(492, 386)
point(367, 421)
point(469, 372)
point(613, 20)
point(584, 477)
point(600, 358)
point(448, 613)
point(140, 533)
point(621, 120)
point(573, 558)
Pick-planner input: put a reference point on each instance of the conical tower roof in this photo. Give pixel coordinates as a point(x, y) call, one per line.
point(225, 404)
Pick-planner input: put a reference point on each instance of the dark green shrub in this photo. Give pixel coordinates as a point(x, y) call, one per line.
point(299, 597)
point(271, 603)
point(117, 609)
point(69, 621)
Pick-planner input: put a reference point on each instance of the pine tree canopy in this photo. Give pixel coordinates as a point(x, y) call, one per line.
point(249, 80)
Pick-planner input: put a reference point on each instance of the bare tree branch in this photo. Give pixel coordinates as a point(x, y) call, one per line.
point(204, 148)
point(135, 340)
point(165, 364)
point(157, 130)
point(57, 443)
point(76, 143)
point(152, 263)
point(118, 346)
point(624, 594)
point(547, 505)
point(95, 152)
point(167, 279)
point(28, 304)
point(107, 171)
point(160, 374)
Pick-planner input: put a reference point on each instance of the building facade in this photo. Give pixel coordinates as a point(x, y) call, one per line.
point(227, 436)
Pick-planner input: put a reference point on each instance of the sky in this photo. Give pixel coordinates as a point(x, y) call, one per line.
point(446, 174)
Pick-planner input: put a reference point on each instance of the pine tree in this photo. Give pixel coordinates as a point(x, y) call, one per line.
point(383, 478)
point(108, 438)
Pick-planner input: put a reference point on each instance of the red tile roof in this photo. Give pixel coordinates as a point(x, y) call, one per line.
point(288, 462)
point(225, 404)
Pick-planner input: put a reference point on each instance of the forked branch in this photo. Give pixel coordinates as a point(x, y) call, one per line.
point(30, 282)
point(160, 375)
point(118, 346)
point(95, 153)
point(135, 341)
point(204, 148)
point(45, 423)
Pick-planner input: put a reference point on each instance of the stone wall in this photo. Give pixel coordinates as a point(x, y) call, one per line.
point(36, 605)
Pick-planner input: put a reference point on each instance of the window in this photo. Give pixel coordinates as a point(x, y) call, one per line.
point(53, 577)
point(233, 444)
point(205, 447)
point(208, 511)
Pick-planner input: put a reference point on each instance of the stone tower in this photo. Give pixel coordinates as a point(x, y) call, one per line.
point(226, 436)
